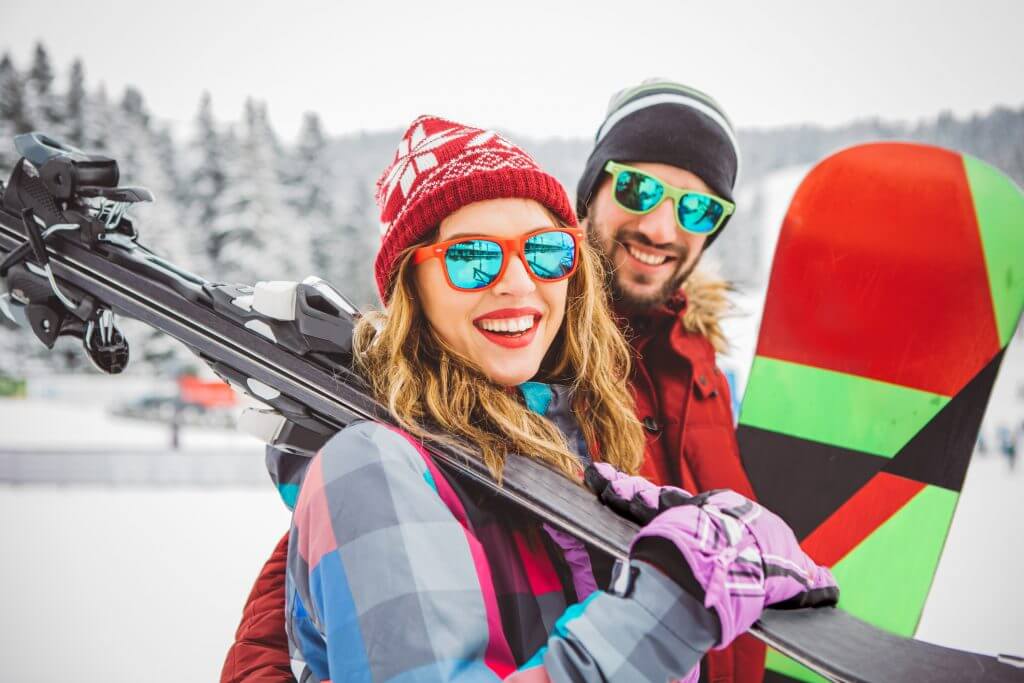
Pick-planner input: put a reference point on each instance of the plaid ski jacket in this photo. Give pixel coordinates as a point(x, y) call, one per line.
point(397, 573)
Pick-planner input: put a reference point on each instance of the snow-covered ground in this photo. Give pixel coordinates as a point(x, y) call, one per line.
point(977, 598)
point(115, 584)
point(81, 425)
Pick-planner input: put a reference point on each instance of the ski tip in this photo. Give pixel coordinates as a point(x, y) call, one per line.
point(1012, 660)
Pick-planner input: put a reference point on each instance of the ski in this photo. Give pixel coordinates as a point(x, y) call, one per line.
point(72, 262)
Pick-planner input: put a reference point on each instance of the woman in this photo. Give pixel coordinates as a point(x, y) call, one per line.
point(496, 333)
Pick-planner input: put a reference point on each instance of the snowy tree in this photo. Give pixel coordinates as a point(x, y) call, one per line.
point(41, 73)
point(41, 102)
point(357, 242)
point(205, 181)
point(12, 94)
point(357, 161)
point(99, 120)
point(13, 114)
point(133, 105)
point(146, 157)
point(75, 106)
point(308, 185)
point(259, 236)
point(308, 174)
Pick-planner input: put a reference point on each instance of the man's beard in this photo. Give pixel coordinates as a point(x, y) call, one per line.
point(628, 301)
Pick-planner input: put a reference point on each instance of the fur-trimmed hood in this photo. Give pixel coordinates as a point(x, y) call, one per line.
point(707, 302)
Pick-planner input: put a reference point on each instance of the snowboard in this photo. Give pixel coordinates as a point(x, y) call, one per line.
point(896, 285)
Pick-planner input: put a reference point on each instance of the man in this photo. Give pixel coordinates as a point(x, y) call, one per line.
point(657, 138)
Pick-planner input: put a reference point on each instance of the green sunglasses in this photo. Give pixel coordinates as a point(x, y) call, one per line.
point(640, 192)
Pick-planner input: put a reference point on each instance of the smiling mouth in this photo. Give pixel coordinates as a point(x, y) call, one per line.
point(507, 327)
point(646, 257)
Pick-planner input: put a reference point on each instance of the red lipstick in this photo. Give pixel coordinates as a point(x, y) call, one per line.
point(509, 341)
point(502, 313)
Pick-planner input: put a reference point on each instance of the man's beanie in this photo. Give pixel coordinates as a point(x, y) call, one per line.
point(441, 166)
point(663, 122)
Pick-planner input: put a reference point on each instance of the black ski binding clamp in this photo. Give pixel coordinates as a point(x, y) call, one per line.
point(57, 188)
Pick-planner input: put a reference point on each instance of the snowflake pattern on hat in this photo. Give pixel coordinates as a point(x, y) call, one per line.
point(420, 151)
point(415, 155)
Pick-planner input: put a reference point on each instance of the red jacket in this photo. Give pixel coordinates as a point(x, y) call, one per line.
point(260, 650)
point(683, 400)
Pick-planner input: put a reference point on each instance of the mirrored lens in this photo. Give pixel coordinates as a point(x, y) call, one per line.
point(550, 255)
point(699, 213)
point(638, 191)
point(473, 264)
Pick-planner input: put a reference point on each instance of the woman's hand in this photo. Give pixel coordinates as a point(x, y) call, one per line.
point(738, 556)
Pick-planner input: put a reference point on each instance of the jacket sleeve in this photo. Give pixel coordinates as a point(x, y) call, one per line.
point(260, 650)
point(387, 582)
point(645, 629)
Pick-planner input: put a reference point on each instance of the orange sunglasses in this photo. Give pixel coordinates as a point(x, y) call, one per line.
point(472, 264)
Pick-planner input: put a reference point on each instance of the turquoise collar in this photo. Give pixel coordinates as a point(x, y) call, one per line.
point(537, 396)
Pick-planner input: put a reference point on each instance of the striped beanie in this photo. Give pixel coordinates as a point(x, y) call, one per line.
point(663, 122)
point(441, 166)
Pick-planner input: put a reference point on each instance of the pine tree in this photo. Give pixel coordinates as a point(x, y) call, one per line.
point(43, 111)
point(206, 179)
point(98, 121)
point(146, 157)
point(13, 117)
point(41, 73)
point(133, 105)
point(259, 236)
point(75, 106)
point(12, 93)
point(309, 187)
point(360, 237)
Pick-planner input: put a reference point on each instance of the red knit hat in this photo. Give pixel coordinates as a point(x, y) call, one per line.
point(441, 166)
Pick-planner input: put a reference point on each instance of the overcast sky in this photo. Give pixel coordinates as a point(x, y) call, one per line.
point(543, 68)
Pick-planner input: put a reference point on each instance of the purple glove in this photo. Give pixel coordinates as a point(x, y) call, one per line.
point(739, 557)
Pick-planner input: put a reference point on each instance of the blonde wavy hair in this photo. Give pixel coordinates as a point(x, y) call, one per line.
point(437, 394)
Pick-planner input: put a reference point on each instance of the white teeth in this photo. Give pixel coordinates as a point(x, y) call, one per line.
point(649, 259)
point(507, 324)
